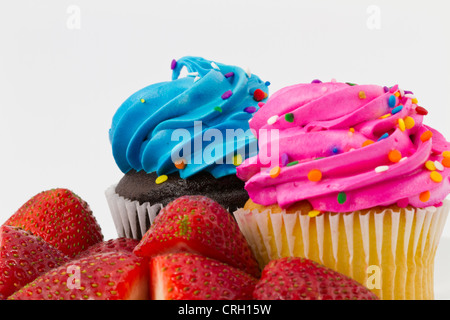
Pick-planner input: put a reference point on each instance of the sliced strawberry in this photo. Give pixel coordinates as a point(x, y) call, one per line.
point(112, 245)
point(302, 279)
point(61, 218)
point(186, 276)
point(23, 257)
point(105, 276)
point(199, 225)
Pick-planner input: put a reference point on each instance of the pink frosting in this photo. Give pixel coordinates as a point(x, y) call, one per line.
point(323, 126)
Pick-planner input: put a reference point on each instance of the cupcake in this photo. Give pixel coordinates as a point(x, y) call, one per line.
point(183, 137)
point(349, 176)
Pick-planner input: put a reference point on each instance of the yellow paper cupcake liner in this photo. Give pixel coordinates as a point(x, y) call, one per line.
point(390, 250)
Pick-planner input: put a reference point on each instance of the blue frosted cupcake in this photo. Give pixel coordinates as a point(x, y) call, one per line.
point(183, 137)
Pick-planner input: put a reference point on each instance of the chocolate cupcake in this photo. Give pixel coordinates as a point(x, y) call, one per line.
point(183, 137)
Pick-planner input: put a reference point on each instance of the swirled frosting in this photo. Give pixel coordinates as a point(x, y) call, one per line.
point(346, 147)
point(187, 120)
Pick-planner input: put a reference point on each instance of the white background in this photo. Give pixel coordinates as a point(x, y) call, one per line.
point(66, 66)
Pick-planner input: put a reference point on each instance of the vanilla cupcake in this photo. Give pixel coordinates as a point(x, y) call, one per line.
point(183, 137)
point(348, 175)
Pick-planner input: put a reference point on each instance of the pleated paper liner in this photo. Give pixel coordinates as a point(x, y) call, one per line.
point(131, 218)
point(390, 250)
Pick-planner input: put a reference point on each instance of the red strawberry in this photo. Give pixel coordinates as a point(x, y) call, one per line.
point(61, 218)
point(199, 225)
point(23, 257)
point(112, 245)
point(302, 279)
point(186, 276)
point(105, 276)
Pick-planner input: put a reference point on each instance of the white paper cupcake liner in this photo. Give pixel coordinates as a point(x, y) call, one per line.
point(273, 235)
point(131, 218)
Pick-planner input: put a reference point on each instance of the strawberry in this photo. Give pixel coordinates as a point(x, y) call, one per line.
point(199, 225)
point(61, 218)
point(112, 245)
point(302, 279)
point(104, 276)
point(187, 276)
point(23, 257)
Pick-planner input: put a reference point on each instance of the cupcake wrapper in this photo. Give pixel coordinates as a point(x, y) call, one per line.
point(131, 218)
point(401, 243)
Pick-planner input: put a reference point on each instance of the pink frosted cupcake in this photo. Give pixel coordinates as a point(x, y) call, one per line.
point(348, 175)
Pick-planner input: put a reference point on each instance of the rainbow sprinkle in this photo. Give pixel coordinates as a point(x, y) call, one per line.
point(237, 159)
point(227, 94)
point(214, 66)
point(362, 95)
point(161, 179)
point(384, 136)
point(173, 64)
point(401, 124)
point(430, 165)
point(289, 117)
point(313, 213)
point(180, 164)
point(409, 122)
point(367, 143)
point(426, 136)
point(293, 163)
point(250, 109)
point(425, 196)
point(284, 159)
point(394, 88)
point(272, 120)
point(397, 109)
point(341, 198)
point(446, 162)
point(315, 175)
point(439, 166)
point(422, 111)
point(436, 176)
point(392, 101)
point(275, 172)
point(259, 95)
point(394, 156)
point(248, 72)
point(381, 169)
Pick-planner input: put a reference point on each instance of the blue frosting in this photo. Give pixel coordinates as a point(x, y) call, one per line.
point(161, 122)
